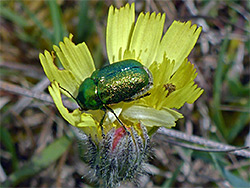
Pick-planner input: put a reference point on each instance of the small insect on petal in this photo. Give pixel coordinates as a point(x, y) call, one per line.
point(170, 88)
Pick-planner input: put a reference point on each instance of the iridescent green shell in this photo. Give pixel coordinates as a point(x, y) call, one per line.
point(121, 81)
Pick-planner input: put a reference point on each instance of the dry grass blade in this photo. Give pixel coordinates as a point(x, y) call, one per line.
point(202, 141)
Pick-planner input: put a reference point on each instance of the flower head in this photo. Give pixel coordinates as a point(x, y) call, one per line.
point(165, 55)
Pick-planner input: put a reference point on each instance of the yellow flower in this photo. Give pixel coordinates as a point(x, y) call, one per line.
point(119, 156)
point(164, 55)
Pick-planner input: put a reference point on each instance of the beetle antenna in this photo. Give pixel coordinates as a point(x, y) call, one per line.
point(71, 96)
point(112, 111)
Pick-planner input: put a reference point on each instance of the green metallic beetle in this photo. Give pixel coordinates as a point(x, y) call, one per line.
point(125, 80)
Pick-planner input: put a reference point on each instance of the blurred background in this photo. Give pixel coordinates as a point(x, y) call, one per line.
point(37, 147)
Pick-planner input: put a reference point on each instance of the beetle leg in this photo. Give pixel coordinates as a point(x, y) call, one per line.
point(112, 111)
point(101, 122)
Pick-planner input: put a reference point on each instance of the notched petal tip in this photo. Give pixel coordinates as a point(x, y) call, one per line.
point(163, 17)
point(68, 38)
point(151, 15)
point(113, 10)
point(188, 23)
point(130, 6)
point(71, 36)
point(75, 58)
point(197, 29)
point(64, 77)
point(196, 94)
point(42, 58)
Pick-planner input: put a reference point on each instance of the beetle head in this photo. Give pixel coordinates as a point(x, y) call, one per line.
point(87, 97)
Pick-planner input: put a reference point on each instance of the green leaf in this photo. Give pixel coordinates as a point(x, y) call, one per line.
point(13, 16)
point(59, 31)
point(6, 140)
point(237, 89)
point(240, 123)
point(37, 22)
point(39, 162)
point(170, 182)
point(235, 181)
point(217, 115)
point(85, 25)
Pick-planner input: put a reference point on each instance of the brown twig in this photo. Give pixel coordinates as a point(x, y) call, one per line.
point(28, 93)
point(33, 70)
point(202, 141)
point(198, 148)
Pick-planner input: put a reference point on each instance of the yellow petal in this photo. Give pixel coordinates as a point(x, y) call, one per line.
point(161, 74)
point(195, 94)
point(76, 118)
point(146, 37)
point(178, 42)
point(64, 77)
point(185, 74)
point(186, 90)
point(120, 25)
point(75, 58)
point(162, 71)
point(151, 117)
point(188, 94)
